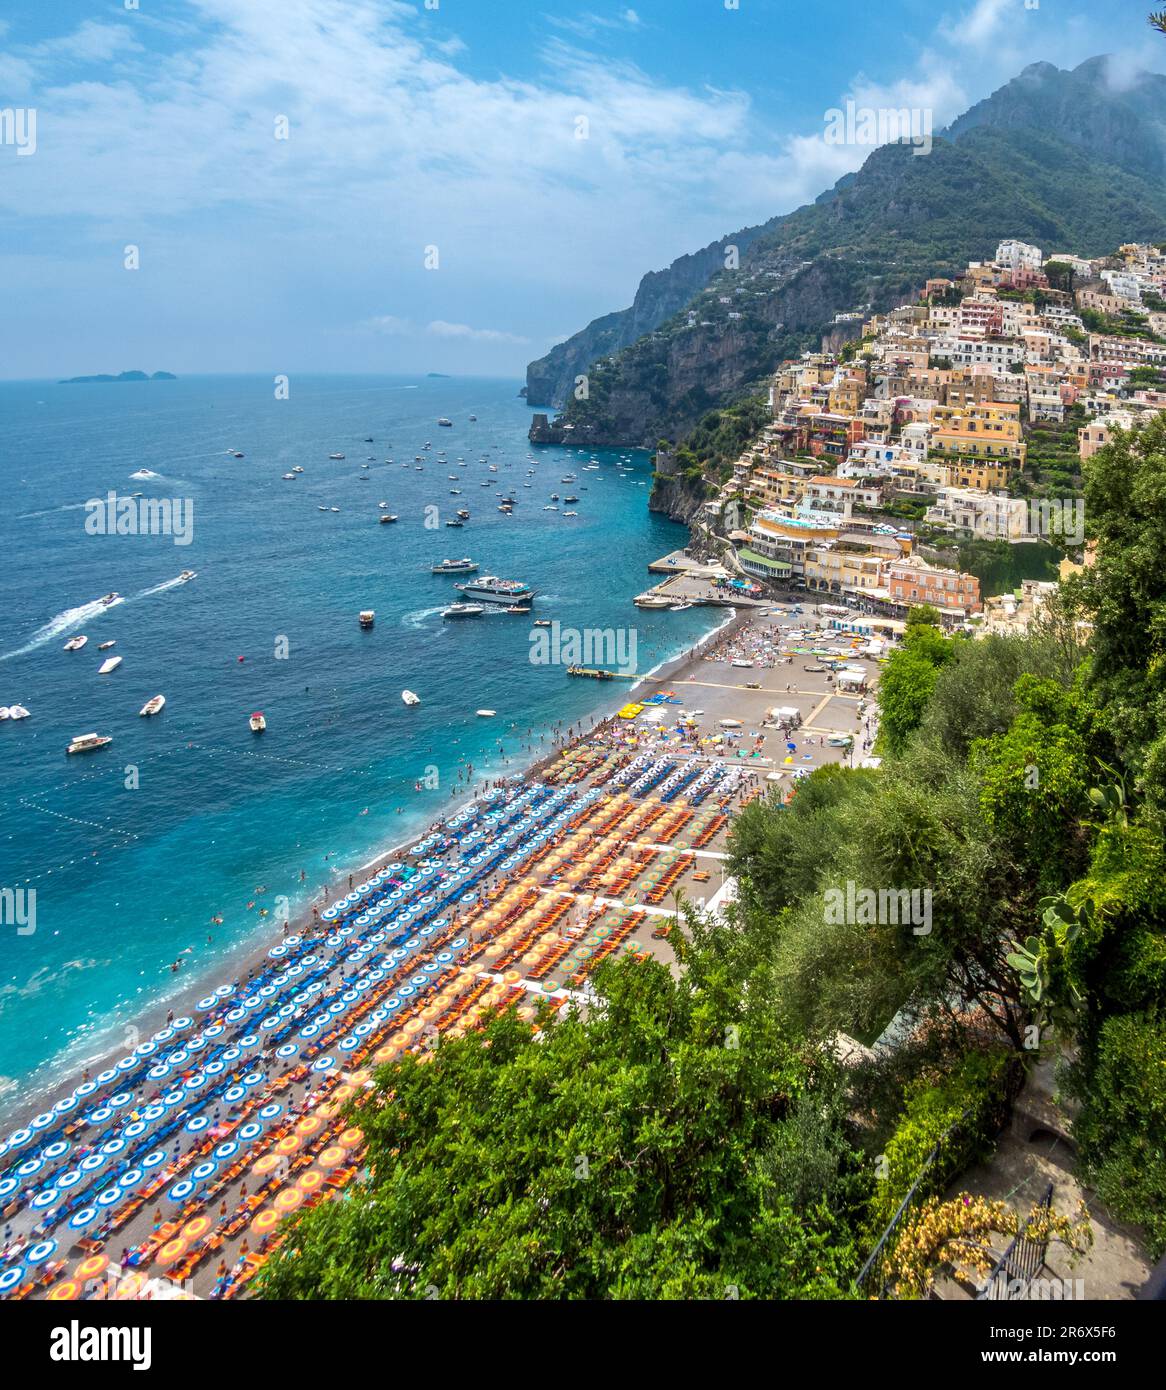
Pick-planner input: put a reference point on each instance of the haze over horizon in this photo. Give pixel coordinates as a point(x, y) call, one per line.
point(456, 128)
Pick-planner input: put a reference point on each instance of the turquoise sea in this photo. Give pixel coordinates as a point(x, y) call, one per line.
point(134, 849)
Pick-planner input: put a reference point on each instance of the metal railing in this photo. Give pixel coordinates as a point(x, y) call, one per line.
point(872, 1278)
point(1021, 1262)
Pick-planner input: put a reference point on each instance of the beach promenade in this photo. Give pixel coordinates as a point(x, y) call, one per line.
point(170, 1172)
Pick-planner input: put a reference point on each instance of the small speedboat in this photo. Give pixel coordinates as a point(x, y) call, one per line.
point(110, 665)
point(74, 644)
point(87, 743)
point(388, 518)
point(110, 598)
point(542, 622)
point(105, 646)
point(187, 575)
point(517, 608)
point(297, 469)
point(465, 516)
point(456, 522)
point(153, 706)
point(367, 617)
point(335, 456)
point(17, 712)
point(486, 713)
point(257, 722)
point(463, 610)
point(289, 477)
point(409, 697)
point(446, 423)
point(5, 713)
point(236, 454)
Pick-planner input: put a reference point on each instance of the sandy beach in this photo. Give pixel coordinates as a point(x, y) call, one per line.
point(635, 809)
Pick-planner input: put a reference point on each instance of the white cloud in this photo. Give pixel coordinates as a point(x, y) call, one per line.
point(440, 329)
point(388, 325)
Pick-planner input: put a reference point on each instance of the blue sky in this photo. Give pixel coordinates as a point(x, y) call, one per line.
point(454, 126)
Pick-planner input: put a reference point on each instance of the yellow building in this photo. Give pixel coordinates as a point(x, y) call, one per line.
point(988, 430)
point(980, 474)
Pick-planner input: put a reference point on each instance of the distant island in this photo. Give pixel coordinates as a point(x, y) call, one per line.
point(443, 375)
point(121, 376)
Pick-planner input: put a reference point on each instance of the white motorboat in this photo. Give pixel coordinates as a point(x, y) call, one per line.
point(463, 610)
point(153, 706)
point(463, 566)
point(105, 646)
point(74, 644)
point(388, 518)
point(486, 713)
point(257, 722)
point(409, 697)
point(187, 575)
point(367, 617)
point(111, 664)
point(335, 456)
point(17, 712)
point(109, 599)
point(289, 477)
point(87, 743)
point(5, 713)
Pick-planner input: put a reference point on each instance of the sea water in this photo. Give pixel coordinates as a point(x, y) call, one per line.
point(187, 817)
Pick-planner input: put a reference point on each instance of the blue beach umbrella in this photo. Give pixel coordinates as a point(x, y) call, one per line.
point(228, 1149)
point(10, 1279)
point(69, 1180)
point(181, 1191)
point(48, 1198)
point(65, 1104)
point(110, 1197)
point(131, 1179)
point(30, 1166)
point(154, 1160)
point(323, 1064)
point(85, 1217)
point(197, 1124)
point(8, 1186)
point(204, 1171)
point(271, 1111)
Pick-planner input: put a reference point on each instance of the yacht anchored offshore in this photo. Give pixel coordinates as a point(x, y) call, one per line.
point(465, 566)
point(491, 589)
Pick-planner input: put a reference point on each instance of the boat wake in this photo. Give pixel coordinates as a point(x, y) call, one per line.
point(52, 511)
point(64, 622)
point(420, 616)
point(161, 588)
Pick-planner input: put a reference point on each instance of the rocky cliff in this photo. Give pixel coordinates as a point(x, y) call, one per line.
point(551, 380)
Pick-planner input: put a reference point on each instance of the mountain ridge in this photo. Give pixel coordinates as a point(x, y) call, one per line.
point(1057, 157)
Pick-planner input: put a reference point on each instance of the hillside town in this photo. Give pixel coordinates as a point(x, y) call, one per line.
point(919, 433)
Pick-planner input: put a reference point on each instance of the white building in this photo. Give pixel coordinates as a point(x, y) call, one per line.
point(988, 515)
point(1014, 256)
